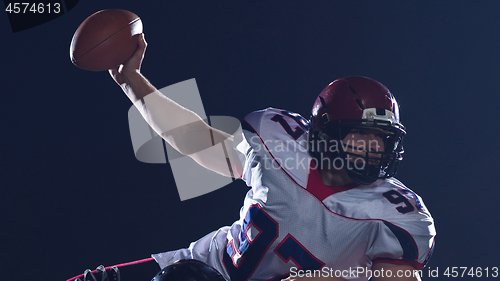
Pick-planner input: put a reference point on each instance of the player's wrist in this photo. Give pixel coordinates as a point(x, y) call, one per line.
point(135, 85)
point(130, 80)
point(131, 76)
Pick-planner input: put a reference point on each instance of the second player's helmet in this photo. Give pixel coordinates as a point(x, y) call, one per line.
point(361, 103)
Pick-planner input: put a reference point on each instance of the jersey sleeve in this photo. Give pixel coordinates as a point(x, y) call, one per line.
point(242, 146)
point(409, 240)
point(275, 133)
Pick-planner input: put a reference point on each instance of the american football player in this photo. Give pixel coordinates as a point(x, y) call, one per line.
point(323, 203)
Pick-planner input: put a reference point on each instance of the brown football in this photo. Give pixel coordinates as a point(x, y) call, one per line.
point(105, 40)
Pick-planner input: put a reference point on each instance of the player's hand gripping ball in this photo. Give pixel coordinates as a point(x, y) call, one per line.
point(105, 40)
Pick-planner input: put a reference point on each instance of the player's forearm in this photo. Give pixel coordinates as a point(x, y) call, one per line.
point(183, 129)
point(179, 126)
point(136, 86)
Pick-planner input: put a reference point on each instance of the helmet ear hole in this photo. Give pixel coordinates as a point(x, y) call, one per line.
point(323, 142)
point(323, 136)
point(318, 142)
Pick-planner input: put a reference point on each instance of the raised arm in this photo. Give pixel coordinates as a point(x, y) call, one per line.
point(180, 127)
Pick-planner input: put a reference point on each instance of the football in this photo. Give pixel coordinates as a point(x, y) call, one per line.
point(105, 39)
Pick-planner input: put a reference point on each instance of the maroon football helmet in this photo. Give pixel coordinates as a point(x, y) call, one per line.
point(361, 103)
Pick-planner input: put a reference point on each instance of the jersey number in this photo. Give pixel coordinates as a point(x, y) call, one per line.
point(254, 251)
point(294, 133)
point(396, 198)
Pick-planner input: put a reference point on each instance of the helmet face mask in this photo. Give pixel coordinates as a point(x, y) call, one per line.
point(376, 157)
point(368, 141)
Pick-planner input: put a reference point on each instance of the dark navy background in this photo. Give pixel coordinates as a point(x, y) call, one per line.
point(74, 196)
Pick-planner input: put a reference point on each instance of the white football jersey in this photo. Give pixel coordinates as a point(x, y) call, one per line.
point(291, 221)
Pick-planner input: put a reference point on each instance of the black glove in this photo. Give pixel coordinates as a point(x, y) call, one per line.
point(101, 274)
point(140, 270)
